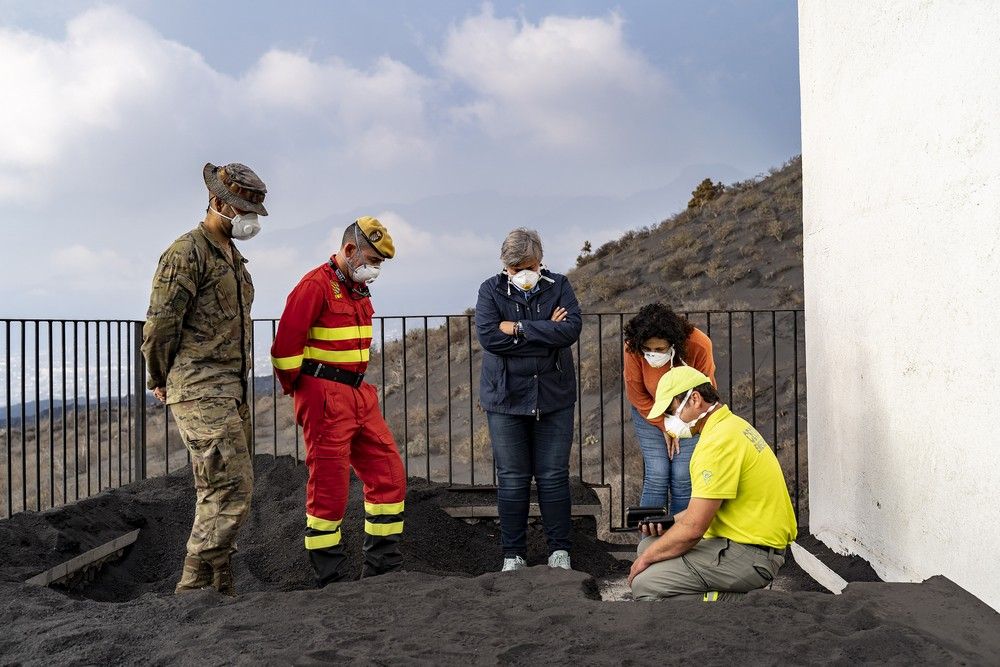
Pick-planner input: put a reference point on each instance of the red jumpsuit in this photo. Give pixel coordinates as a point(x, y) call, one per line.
point(328, 320)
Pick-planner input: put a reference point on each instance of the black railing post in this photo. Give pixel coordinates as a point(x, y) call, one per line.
point(139, 413)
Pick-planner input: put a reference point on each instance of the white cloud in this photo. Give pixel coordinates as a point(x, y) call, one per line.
point(81, 269)
point(124, 102)
point(441, 246)
point(379, 114)
point(63, 89)
point(104, 129)
point(561, 81)
point(424, 246)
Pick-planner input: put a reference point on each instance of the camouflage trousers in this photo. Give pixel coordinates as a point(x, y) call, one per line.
point(216, 432)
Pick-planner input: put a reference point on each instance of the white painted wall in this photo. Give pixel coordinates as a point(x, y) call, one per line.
point(901, 162)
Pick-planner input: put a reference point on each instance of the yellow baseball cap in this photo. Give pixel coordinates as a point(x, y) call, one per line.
point(674, 382)
point(377, 235)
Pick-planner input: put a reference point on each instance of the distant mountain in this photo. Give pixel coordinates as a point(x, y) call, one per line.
point(262, 387)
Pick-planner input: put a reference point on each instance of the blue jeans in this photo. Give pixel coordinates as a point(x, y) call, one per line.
point(663, 476)
point(524, 446)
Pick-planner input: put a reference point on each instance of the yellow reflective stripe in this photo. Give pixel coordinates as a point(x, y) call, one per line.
point(286, 363)
point(381, 509)
point(322, 541)
point(337, 356)
point(322, 524)
point(383, 529)
point(711, 596)
point(340, 333)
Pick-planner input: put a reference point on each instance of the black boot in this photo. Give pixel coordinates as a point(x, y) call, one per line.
point(381, 555)
point(330, 565)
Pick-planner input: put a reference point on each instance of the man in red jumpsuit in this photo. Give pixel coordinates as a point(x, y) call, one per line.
point(320, 354)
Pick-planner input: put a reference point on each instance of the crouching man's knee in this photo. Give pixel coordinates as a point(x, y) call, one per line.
point(644, 587)
point(666, 579)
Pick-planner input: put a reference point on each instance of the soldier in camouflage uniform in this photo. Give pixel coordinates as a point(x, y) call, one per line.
point(196, 342)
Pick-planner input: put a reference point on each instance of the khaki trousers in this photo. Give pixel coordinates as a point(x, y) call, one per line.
point(715, 569)
point(216, 433)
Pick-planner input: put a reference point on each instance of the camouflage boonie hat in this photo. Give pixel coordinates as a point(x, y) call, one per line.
point(237, 185)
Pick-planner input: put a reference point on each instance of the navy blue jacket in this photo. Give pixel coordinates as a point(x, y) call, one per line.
point(531, 374)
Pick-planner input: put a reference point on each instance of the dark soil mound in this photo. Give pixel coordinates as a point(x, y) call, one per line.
point(271, 556)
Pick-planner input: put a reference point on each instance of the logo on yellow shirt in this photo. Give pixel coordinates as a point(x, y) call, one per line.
point(706, 477)
point(754, 437)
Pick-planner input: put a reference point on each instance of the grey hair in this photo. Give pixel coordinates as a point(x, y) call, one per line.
point(521, 245)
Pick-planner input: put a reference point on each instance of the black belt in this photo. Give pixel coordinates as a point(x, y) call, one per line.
point(324, 372)
point(764, 547)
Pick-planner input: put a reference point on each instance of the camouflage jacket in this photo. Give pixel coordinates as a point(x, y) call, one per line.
point(196, 339)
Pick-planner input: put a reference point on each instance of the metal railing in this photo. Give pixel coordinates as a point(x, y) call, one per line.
point(77, 418)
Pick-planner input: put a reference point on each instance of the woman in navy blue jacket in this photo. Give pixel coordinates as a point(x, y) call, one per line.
point(527, 318)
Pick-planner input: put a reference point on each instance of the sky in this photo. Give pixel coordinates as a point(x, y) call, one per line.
point(453, 122)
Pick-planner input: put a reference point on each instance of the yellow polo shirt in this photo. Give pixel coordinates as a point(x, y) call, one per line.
point(733, 462)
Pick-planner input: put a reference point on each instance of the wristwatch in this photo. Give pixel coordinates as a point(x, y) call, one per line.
point(518, 329)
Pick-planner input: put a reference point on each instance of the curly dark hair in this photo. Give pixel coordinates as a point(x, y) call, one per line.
point(656, 320)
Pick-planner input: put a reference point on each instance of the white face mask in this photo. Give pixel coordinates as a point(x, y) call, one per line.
point(677, 427)
point(659, 359)
point(364, 273)
point(245, 225)
point(525, 279)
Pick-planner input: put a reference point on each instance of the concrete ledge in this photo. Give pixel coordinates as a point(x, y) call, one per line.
point(64, 570)
point(815, 568)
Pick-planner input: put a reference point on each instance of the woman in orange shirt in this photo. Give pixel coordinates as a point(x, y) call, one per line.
point(656, 339)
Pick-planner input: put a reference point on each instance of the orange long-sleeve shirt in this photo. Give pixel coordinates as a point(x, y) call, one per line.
point(641, 378)
point(324, 322)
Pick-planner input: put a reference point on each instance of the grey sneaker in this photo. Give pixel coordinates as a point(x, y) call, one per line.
point(560, 558)
point(513, 563)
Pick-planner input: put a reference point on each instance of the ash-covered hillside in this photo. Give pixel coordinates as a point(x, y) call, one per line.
point(741, 249)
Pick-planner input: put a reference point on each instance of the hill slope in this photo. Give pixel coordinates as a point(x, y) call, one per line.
point(742, 250)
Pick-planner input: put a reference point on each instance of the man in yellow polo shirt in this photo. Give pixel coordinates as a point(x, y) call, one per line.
point(732, 537)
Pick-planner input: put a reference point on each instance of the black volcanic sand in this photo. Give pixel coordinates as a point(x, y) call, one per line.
point(271, 556)
point(424, 616)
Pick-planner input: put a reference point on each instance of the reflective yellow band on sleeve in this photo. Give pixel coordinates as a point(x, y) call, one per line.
point(711, 596)
point(383, 529)
point(337, 356)
point(322, 524)
point(381, 509)
point(340, 333)
point(322, 541)
point(287, 363)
